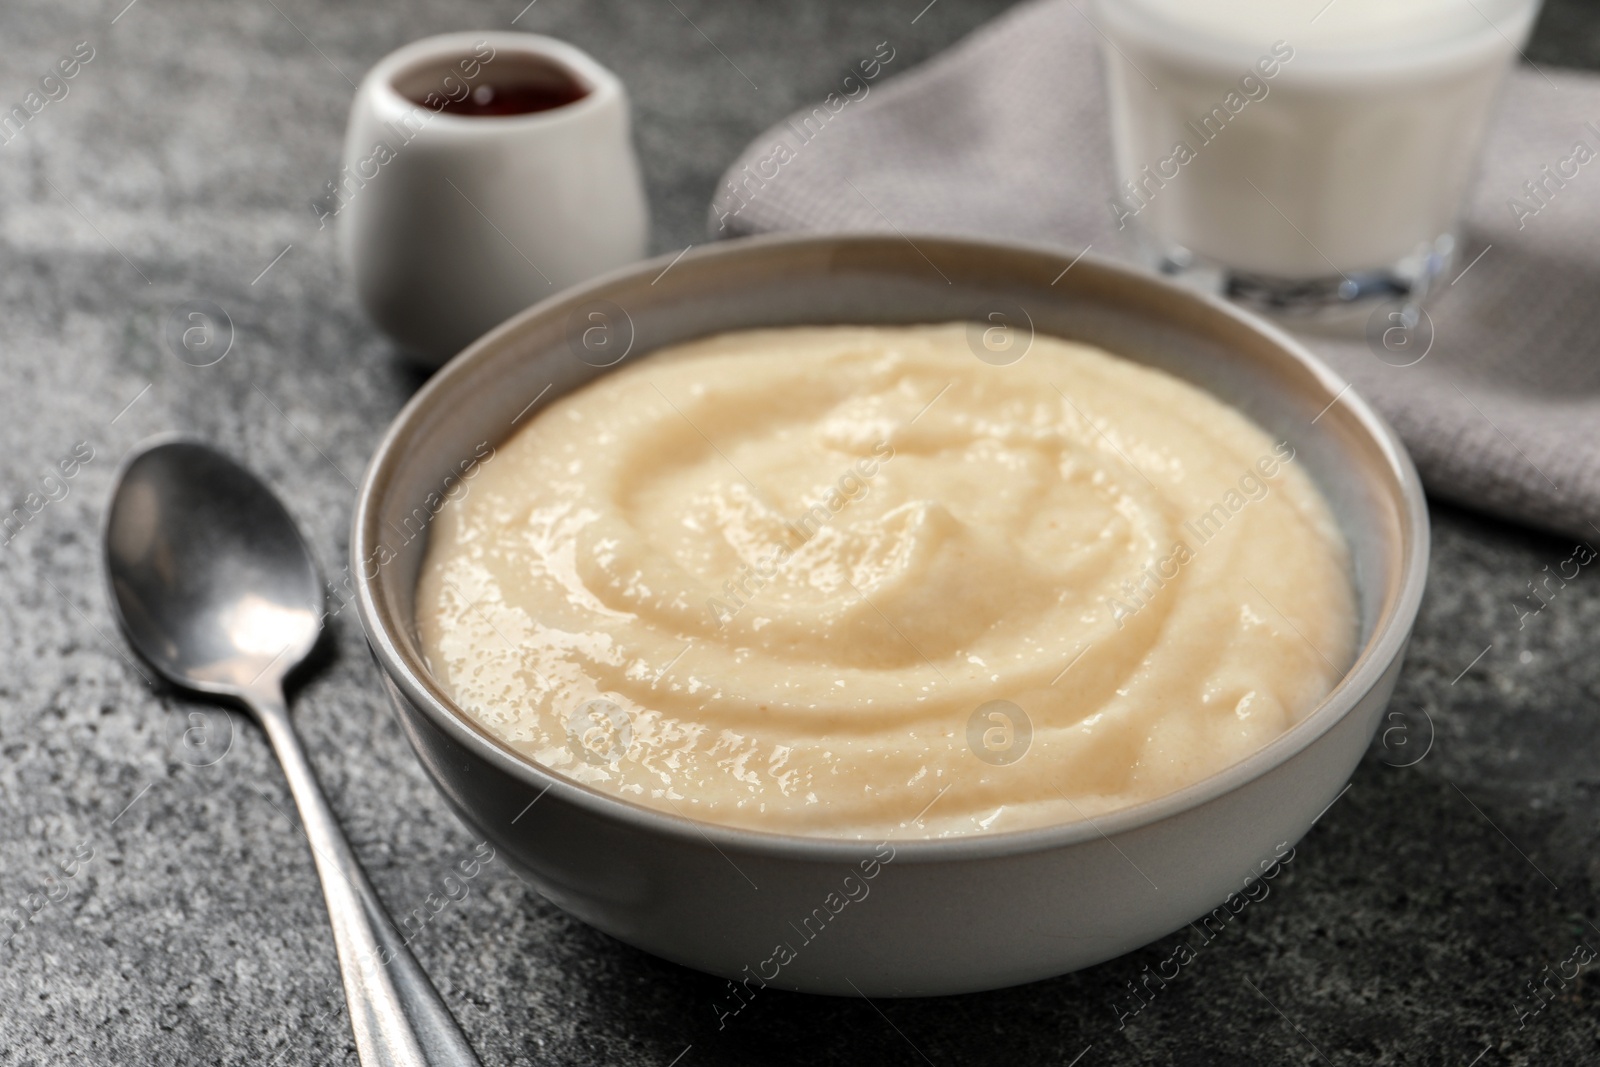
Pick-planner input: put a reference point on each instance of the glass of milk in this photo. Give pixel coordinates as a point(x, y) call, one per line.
point(1307, 157)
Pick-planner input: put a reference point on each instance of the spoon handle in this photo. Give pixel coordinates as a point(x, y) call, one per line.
point(398, 1017)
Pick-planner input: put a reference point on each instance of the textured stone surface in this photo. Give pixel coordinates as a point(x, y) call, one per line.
point(179, 164)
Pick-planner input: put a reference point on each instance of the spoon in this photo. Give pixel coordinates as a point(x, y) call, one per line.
point(214, 585)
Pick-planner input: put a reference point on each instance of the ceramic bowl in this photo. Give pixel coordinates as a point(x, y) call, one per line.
point(904, 916)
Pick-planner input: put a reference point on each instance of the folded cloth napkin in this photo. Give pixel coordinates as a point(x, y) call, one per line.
point(1006, 135)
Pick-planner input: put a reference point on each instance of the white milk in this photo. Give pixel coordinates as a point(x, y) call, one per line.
point(1299, 139)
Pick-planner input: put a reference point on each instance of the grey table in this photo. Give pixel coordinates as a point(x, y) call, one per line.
point(160, 904)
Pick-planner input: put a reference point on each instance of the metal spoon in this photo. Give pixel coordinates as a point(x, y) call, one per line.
point(214, 585)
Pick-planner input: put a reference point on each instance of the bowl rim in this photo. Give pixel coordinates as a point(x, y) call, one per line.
point(1374, 659)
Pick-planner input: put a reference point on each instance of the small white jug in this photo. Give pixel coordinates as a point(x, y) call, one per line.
point(450, 222)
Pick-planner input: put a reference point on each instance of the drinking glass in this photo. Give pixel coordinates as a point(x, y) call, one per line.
point(1306, 157)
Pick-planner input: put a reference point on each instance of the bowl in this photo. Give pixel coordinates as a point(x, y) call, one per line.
point(903, 916)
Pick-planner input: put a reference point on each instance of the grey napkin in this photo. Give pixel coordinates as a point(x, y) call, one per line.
point(1006, 135)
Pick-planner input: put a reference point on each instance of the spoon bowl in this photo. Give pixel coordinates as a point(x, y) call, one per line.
point(215, 586)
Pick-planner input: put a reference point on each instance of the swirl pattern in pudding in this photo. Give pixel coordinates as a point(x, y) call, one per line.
point(854, 581)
